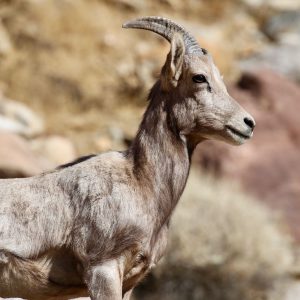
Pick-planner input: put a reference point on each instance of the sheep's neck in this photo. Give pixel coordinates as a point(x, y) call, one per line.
point(161, 159)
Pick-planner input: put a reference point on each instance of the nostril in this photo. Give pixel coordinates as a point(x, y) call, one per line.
point(249, 122)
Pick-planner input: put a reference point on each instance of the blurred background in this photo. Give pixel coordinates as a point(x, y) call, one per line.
point(73, 82)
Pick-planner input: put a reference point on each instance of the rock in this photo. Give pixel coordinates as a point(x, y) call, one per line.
point(7, 124)
point(57, 149)
point(284, 27)
point(284, 56)
point(17, 118)
point(293, 292)
point(284, 59)
point(116, 133)
point(11, 298)
point(17, 159)
point(268, 166)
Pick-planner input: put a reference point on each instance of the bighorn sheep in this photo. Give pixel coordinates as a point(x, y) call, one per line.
point(102, 220)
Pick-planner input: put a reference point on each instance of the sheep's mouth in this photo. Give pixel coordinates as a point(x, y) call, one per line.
point(235, 132)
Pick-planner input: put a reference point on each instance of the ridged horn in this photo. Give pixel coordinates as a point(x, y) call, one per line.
point(166, 28)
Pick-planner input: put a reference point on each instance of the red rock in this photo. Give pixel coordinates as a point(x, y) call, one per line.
point(268, 166)
point(16, 158)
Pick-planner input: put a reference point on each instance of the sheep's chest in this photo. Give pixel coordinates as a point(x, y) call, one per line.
point(144, 260)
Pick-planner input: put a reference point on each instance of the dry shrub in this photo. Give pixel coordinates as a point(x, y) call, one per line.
point(223, 245)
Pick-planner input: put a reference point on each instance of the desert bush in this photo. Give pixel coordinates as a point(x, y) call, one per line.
point(223, 246)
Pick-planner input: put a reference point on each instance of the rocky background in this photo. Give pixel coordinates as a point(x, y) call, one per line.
point(73, 82)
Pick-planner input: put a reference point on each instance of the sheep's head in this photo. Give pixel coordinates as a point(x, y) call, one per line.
point(197, 97)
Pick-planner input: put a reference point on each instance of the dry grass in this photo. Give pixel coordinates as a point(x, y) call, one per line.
point(223, 246)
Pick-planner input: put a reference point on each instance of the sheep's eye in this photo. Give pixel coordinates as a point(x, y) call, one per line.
point(199, 78)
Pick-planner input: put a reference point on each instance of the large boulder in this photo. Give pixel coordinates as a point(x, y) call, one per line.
point(268, 166)
point(16, 158)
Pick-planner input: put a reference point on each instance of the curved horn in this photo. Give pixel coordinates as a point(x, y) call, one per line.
point(166, 28)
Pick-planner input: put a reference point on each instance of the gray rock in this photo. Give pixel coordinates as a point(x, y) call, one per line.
point(284, 59)
point(293, 292)
point(10, 125)
point(283, 56)
point(11, 298)
point(17, 118)
point(284, 27)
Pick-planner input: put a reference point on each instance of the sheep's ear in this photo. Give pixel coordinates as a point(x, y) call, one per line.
point(173, 67)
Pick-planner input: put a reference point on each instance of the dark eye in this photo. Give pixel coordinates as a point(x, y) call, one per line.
point(199, 78)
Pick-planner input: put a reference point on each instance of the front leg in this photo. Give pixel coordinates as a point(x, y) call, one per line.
point(127, 295)
point(104, 281)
